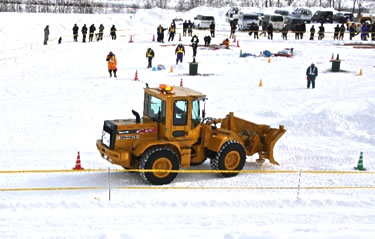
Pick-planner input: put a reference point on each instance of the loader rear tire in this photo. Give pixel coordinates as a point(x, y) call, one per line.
point(232, 156)
point(161, 158)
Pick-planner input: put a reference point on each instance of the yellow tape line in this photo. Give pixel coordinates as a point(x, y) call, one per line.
point(183, 188)
point(187, 171)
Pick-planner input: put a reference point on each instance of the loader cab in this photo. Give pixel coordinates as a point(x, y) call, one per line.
point(177, 110)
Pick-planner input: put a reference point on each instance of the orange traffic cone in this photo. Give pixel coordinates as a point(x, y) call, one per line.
point(260, 83)
point(269, 59)
point(360, 72)
point(78, 163)
point(131, 39)
point(136, 76)
point(181, 83)
point(180, 37)
point(238, 43)
point(153, 37)
point(171, 69)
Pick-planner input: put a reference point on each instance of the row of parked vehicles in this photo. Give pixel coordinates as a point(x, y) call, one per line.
point(281, 17)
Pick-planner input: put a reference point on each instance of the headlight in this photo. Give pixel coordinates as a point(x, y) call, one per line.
point(106, 139)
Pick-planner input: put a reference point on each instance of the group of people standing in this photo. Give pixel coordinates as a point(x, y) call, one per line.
point(187, 27)
point(366, 30)
point(91, 31)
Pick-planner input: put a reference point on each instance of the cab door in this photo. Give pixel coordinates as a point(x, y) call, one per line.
point(180, 121)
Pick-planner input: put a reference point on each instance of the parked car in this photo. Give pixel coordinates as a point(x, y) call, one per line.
point(303, 13)
point(284, 13)
point(246, 19)
point(292, 22)
point(201, 21)
point(342, 17)
point(277, 21)
point(322, 16)
point(232, 15)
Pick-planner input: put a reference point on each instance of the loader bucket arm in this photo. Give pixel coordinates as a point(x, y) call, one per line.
point(256, 138)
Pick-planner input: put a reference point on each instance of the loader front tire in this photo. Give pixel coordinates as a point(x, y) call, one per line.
point(232, 156)
point(160, 158)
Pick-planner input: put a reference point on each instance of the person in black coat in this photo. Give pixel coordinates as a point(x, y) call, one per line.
point(84, 32)
point(297, 29)
point(184, 28)
point(336, 32)
point(352, 31)
point(321, 32)
point(312, 32)
point(101, 32)
point(113, 32)
point(190, 28)
point(46, 34)
point(212, 29)
point(92, 30)
point(311, 73)
point(207, 41)
point(256, 31)
point(284, 33)
point(194, 44)
point(150, 55)
point(160, 32)
point(342, 31)
point(373, 31)
point(270, 31)
point(302, 30)
point(75, 32)
point(233, 28)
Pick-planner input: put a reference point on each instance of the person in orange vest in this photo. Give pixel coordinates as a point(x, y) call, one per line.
point(225, 43)
point(112, 64)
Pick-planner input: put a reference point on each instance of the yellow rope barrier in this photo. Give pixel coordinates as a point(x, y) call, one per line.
point(187, 188)
point(187, 171)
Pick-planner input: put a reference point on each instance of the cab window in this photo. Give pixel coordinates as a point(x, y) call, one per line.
point(180, 110)
point(154, 108)
point(195, 114)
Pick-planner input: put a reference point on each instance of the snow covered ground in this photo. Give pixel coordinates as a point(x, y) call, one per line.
point(55, 98)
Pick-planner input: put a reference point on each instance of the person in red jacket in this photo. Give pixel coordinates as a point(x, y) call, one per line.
point(112, 64)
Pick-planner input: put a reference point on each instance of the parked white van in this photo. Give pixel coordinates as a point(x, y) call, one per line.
point(277, 21)
point(201, 21)
point(246, 19)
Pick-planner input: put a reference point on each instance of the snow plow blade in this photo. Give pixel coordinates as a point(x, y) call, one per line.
point(256, 138)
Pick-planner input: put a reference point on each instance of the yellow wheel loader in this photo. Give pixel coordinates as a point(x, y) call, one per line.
point(174, 132)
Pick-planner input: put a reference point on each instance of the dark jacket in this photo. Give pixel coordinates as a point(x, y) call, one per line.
point(312, 29)
point(150, 53)
point(113, 30)
point(212, 26)
point(92, 28)
point(75, 29)
point(84, 29)
point(312, 72)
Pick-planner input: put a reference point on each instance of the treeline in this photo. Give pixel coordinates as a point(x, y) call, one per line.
point(121, 6)
point(64, 6)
